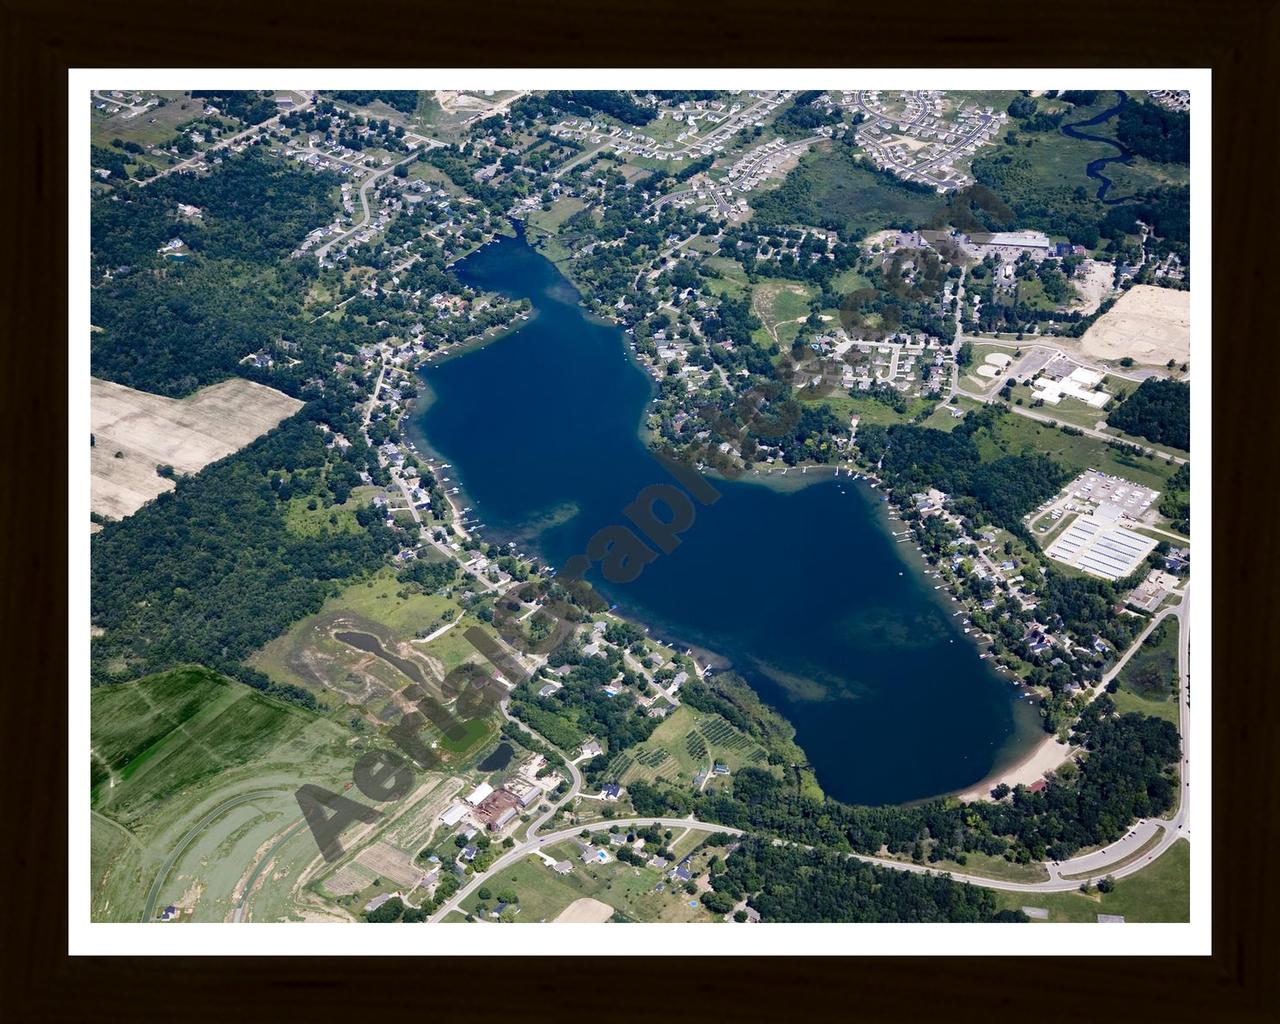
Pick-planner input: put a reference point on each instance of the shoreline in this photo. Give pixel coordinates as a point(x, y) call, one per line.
point(1047, 755)
point(778, 478)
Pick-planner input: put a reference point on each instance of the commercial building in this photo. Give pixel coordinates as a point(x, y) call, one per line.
point(1099, 547)
point(477, 795)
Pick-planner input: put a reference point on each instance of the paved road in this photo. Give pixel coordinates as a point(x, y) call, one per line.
point(364, 199)
point(1092, 432)
point(992, 394)
point(533, 845)
point(237, 916)
point(1097, 863)
point(722, 191)
point(876, 118)
point(231, 140)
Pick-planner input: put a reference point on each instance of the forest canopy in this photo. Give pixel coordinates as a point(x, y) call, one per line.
point(1151, 131)
point(1160, 411)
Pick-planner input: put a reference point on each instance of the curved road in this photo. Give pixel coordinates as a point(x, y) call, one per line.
point(1094, 865)
point(364, 197)
point(185, 841)
point(532, 845)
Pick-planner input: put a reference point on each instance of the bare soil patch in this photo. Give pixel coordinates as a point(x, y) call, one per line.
point(187, 433)
point(585, 911)
point(389, 862)
point(1149, 325)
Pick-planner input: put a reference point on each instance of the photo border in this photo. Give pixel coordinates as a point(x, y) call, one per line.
point(1234, 38)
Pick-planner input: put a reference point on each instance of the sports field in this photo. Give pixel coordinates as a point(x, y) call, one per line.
point(134, 432)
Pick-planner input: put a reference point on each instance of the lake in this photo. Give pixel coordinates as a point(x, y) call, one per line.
point(803, 591)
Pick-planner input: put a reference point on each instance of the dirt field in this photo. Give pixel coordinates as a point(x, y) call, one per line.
point(187, 434)
point(389, 862)
point(1093, 284)
point(585, 911)
point(1150, 325)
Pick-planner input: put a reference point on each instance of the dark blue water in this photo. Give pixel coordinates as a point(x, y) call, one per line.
point(803, 591)
point(498, 758)
point(1094, 168)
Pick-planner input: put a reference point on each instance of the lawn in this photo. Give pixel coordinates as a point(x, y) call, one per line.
point(543, 894)
point(1070, 411)
point(1158, 893)
point(941, 418)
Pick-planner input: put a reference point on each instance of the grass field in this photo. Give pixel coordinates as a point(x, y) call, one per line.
point(303, 521)
point(544, 894)
point(1075, 413)
point(193, 774)
point(871, 410)
point(148, 129)
point(1016, 433)
point(1159, 893)
point(835, 187)
point(731, 279)
point(561, 210)
point(941, 418)
point(1128, 179)
point(369, 683)
point(1148, 680)
point(849, 281)
point(781, 306)
point(1056, 160)
point(686, 743)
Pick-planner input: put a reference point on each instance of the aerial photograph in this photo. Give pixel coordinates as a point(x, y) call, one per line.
point(741, 506)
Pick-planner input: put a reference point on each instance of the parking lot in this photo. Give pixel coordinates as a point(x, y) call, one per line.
point(1115, 497)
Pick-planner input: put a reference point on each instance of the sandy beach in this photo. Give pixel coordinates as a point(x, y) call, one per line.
point(1047, 755)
